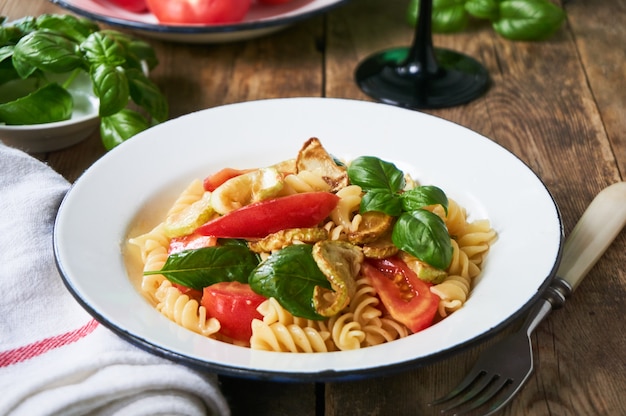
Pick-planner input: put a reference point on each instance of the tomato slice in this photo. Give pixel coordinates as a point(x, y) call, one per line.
point(190, 242)
point(212, 182)
point(263, 218)
point(199, 12)
point(407, 298)
point(234, 304)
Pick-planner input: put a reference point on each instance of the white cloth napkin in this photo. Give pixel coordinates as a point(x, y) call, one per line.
point(55, 359)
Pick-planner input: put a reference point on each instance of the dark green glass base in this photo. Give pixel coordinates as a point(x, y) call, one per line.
point(458, 79)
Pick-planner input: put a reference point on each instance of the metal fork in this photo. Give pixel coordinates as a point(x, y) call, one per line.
point(502, 369)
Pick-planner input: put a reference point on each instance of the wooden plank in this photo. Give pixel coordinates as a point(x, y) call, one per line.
point(599, 32)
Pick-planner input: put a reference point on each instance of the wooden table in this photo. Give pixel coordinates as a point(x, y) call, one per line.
point(560, 105)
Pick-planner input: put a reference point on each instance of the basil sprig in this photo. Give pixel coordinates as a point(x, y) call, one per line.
point(417, 231)
point(529, 20)
point(205, 266)
point(33, 48)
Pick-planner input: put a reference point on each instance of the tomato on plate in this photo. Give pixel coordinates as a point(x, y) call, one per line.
point(407, 298)
point(199, 11)
point(135, 6)
point(234, 304)
point(260, 219)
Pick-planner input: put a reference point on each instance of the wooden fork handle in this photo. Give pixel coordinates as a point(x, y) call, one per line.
point(595, 231)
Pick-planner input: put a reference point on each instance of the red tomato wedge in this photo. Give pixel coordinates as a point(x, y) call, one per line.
point(263, 218)
point(199, 11)
point(211, 182)
point(407, 298)
point(234, 304)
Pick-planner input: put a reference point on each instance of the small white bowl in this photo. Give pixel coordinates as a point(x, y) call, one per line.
point(61, 134)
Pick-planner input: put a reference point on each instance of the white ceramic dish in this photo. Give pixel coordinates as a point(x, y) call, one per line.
point(260, 20)
point(54, 136)
point(132, 186)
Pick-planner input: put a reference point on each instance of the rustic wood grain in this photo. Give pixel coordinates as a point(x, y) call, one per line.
point(558, 105)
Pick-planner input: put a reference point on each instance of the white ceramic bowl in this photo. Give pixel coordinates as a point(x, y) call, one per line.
point(128, 190)
point(58, 135)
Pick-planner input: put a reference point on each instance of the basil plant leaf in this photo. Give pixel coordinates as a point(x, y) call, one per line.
point(205, 266)
point(423, 235)
point(110, 84)
point(447, 15)
point(370, 172)
point(528, 20)
point(48, 51)
point(102, 49)
point(70, 26)
point(423, 196)
point(146, 94)
point(483, 9)
point(121, 126)
point(46, 105)
point(382, 201)
point(290, 275)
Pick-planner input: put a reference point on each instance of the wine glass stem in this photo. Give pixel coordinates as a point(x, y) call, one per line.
point(421, 55)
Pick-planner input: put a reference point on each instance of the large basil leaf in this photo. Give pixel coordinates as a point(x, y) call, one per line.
point(423, 196)
point(102, 49)
point(46, 105)
point(205, 266)
point(110, 85)
point(370, 172)
point(290, 275)
point(76, 28)
point(49, 51)
point(528, 19)
point(116, 128)
point(382, 201)
point(146, 94)
point(425, 236)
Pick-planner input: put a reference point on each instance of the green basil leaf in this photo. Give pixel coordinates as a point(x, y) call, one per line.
point(147, 95)
point(447, 15)
point(423, 235)
point(110, 85)
point(48, 51)
point(11, 34)
point(423, 196)
point(381, 200)
point(121, 126)
point(135, 50)
point(205, 266)
point(483, 9)
point(72, 27)
point(101, 49)
point(370, 172)
point(528, 20)
point(46, 105)
point(290, 275)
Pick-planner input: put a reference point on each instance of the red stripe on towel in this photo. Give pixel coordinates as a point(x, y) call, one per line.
point(35, 349)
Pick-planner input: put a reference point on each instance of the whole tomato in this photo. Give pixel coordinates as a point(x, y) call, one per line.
point(199, 11)
point(135, 6)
